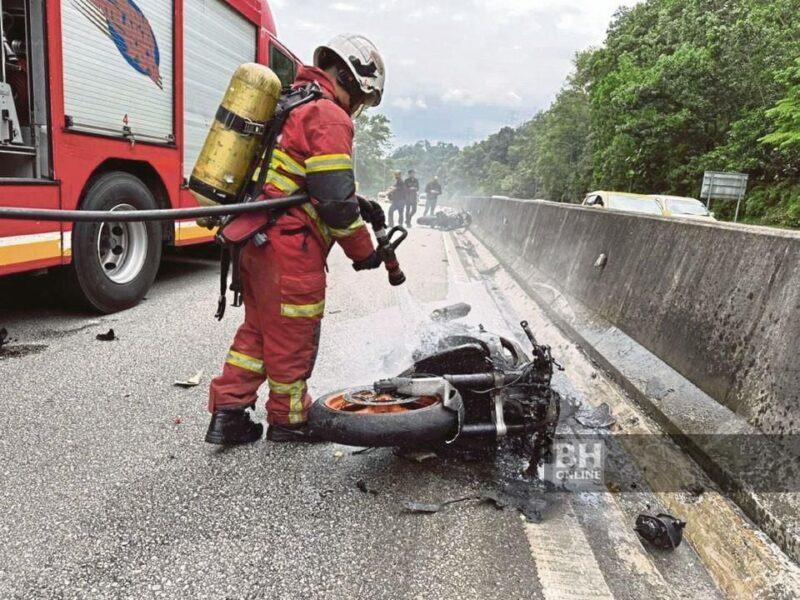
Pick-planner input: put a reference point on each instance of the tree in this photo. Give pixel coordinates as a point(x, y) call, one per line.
point(426, 159)
point(786, 113)
point(679, 87)
point(372, 142)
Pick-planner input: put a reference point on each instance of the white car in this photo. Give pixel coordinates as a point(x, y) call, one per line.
point(637, 203)
point(686, 208)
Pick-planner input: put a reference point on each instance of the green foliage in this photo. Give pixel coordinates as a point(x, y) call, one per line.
point(426, 159)
point(786, 114)
point(372, 143)
point(679, 87)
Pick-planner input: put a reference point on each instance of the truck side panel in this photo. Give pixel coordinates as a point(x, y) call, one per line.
point(118, 67)
point(216, 40)
point(32, 245)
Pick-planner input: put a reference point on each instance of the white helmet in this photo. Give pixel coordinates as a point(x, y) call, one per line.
point(363, 60)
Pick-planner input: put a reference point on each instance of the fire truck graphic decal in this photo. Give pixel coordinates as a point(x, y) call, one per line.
point(127, 26)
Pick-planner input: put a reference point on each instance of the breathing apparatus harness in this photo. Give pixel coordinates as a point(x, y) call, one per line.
point(230, 255)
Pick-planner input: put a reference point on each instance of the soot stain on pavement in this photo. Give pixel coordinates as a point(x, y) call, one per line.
point(7, 350)
point(494, 475)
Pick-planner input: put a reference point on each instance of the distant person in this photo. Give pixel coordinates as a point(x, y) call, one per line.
point(397, 199)
point(412, 196)
point(433, 191)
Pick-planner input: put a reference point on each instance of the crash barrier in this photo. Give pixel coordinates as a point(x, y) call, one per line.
point(717, 302)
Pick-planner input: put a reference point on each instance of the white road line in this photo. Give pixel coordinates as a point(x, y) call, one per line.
point(456, 272)
point(567, 567)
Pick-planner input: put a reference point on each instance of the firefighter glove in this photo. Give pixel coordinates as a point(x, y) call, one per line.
point(368, 264)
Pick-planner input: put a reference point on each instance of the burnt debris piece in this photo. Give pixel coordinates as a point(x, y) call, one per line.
point(452, 312)
point(663, 531)
point(528, 504)
point(367, 488)
point(426, 508)
point(109, 336)
point(596, 417)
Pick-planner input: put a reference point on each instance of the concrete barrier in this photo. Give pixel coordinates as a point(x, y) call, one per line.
point(719, 303)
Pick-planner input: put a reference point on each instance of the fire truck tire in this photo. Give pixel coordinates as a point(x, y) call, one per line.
point(114, 264)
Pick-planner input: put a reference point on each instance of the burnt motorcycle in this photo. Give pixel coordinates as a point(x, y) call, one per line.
point(447, 219)
point(474, 384)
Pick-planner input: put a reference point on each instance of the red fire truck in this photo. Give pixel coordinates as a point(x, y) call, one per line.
point(105, 105)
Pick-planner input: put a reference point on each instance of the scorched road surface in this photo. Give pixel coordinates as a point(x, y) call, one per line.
point(108, 489)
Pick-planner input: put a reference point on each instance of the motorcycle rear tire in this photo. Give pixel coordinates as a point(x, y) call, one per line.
point(423, 428)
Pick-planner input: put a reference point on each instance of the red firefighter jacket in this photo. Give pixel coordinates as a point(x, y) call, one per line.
point(314, 154)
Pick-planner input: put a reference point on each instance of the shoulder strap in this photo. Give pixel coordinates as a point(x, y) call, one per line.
point(289, 101)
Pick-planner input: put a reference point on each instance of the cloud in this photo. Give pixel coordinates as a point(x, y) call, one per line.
point(507, 57)
point(406, 103)
point(344, 7)
point(459, 96)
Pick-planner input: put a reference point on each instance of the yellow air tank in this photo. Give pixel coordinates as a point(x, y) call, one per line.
point(236, 134)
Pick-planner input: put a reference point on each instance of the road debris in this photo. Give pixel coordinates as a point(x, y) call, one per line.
point(367, 488)
point(191, 382)
point(596, 417)
point(109, 336)
point(663, 531)
point(530, 508)
point(362, 451)
point(418, 457)
point(452, 312)
point(3, 337)
point(424, 508)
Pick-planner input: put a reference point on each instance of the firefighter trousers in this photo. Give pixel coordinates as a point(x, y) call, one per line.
point(284, 301)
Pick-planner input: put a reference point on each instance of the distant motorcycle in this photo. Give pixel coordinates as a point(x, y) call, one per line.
point(474, 385)
point(447, 219)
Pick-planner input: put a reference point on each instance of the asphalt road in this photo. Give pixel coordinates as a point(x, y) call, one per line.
point(108, 490)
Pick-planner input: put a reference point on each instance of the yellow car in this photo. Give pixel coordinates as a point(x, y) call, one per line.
point(636, 203)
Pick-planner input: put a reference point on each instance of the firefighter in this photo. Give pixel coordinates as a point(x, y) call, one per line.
point(412, 196)
point(397, 199)
point(433, 190)
point(283, 269)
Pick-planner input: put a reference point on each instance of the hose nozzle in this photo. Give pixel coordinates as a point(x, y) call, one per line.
point(387, 249)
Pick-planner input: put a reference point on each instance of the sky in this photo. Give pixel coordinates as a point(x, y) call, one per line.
point(457, 70)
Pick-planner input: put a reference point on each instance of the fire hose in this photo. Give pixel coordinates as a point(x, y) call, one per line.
point(142, 216)
point(387, 247)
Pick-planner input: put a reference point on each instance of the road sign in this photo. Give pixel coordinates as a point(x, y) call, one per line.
point(718, 185)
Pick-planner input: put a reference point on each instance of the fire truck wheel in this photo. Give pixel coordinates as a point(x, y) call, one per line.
point(114, 264)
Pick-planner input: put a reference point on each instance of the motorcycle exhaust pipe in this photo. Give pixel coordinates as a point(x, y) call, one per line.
point(489, 430)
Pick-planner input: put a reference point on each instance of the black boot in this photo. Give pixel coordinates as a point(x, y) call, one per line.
point(284, 433)
point(233, 427)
